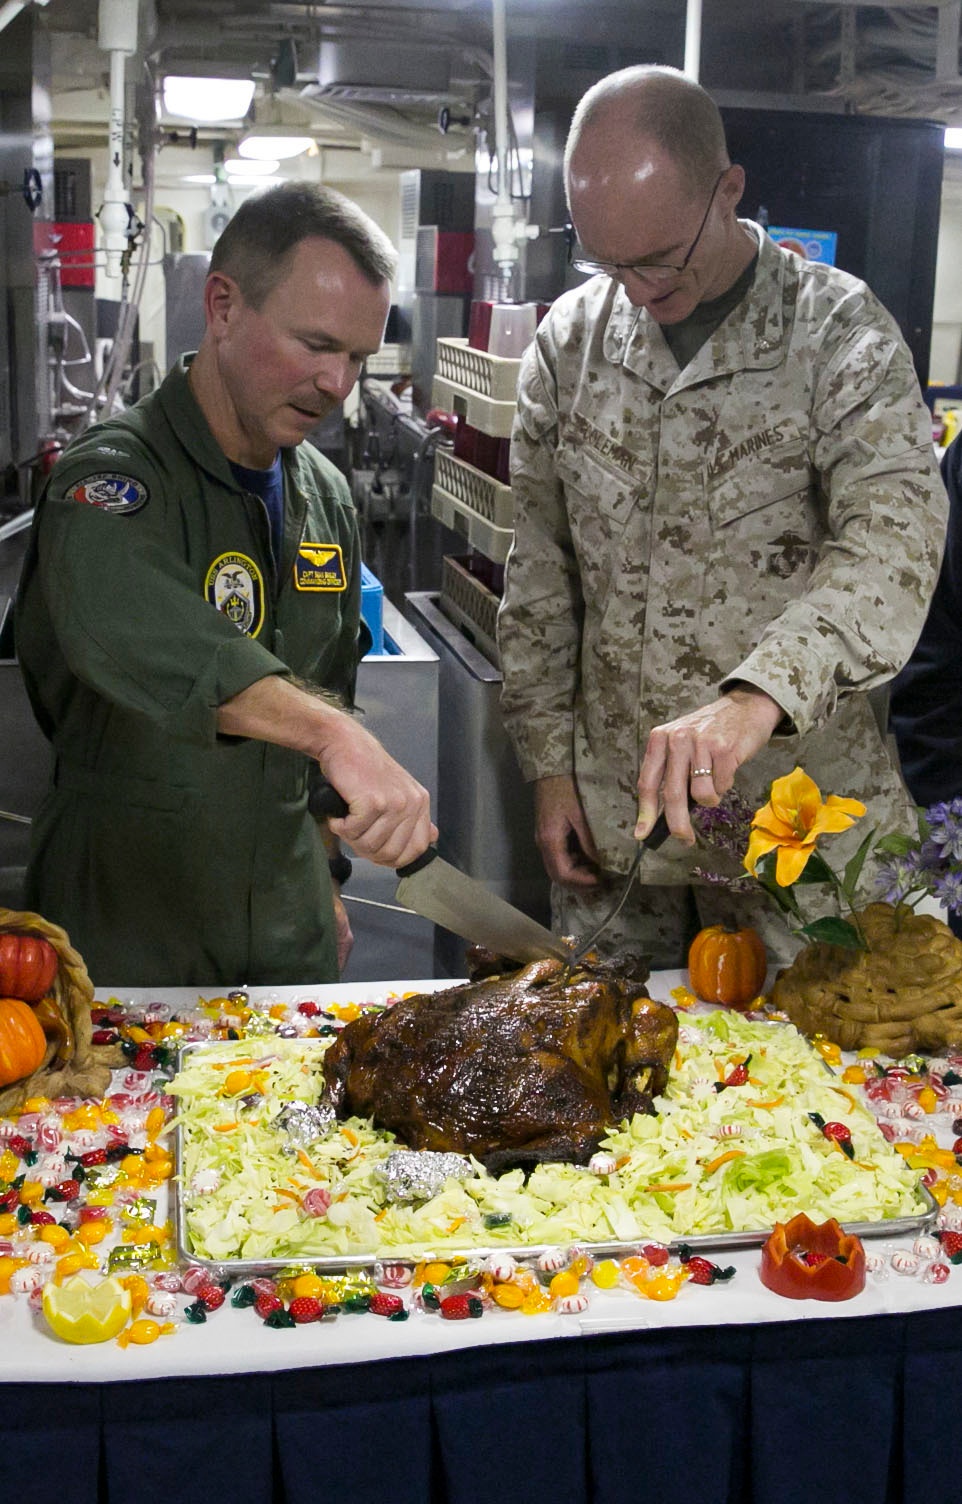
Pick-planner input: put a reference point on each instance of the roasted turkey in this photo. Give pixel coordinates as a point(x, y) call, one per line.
point(515, 1069)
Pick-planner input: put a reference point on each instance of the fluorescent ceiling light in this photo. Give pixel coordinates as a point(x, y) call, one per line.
point(208, 98)
point(203, 179)
point(953, 138)
point(269, 147)
point(238, 167)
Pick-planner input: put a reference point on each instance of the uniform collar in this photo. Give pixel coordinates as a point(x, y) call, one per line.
point(751, 336)
point(192, 429)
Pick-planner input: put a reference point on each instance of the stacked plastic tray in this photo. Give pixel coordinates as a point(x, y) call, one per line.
point(480, 388)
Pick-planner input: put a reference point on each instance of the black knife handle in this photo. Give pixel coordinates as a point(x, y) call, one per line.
point(658, 834)
point(323, 799)
point(409, 868)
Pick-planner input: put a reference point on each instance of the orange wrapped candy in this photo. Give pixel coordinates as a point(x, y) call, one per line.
point(804, 1260)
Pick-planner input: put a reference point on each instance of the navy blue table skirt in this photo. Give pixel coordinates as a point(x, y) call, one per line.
point(865, 1411)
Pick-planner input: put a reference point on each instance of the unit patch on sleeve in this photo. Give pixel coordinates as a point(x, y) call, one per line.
point(319, 566)
point(235, 586)
point(111, 492)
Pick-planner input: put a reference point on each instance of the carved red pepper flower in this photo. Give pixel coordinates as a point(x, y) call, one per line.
point(836, 1272)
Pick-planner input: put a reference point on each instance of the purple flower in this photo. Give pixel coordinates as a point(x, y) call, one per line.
point(727, 827)
point(743, 884)
point(948, 890)
point(898, 876)
point(945, 828)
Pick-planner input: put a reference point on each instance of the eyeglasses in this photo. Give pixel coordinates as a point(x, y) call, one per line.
point(621, 269)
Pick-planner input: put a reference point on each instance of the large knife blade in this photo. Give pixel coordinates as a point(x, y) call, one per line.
point(431, 887)
point(437, 891)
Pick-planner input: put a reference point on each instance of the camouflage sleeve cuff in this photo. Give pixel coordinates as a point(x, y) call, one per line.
point(806, 694)
point(540, 756)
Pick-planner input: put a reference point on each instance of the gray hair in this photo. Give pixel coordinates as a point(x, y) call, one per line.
point(662, 105)
point(256, 247)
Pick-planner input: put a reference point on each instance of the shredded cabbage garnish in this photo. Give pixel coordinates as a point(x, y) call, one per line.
point(709, 1161)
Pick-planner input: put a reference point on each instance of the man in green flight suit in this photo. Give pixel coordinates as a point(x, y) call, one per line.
point(187, 625)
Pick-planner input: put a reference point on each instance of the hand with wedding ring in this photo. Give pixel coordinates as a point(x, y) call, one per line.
point(697, 755)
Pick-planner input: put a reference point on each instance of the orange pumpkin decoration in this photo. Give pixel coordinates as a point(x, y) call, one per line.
point(727, 966)
point(28, 965)
point(23, 1043)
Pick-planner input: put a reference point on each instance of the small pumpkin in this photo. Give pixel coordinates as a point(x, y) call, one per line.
point(23, 1043)
point(28, 965)
point(727, 966)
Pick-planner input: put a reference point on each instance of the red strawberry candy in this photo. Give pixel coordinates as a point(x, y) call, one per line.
point(701, 1271)
point(951, 1243)
point(383, 1304)
point(460, 1307)
point(67, 1190)
point(305, 1308)
point(266, 1305)
point(212, 1296)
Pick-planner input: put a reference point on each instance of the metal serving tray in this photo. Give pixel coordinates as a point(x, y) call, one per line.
point(893, 1227)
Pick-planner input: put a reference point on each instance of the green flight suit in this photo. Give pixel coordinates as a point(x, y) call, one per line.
point(171, 854)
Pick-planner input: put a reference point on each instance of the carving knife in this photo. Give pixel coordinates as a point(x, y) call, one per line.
point(436, 890)
point(656, 837)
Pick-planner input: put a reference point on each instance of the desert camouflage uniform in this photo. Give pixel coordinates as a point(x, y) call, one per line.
point(773, 514)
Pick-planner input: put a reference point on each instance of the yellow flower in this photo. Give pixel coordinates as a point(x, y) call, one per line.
point(792, 821)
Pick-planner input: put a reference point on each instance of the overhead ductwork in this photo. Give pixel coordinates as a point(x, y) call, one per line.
point(393, 94)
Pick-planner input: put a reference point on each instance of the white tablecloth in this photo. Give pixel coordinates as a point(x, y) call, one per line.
point(237, 1341)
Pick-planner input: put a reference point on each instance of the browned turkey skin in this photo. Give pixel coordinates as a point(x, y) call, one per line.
point(515, 1069)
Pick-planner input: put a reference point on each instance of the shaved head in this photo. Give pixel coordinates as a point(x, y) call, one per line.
point(659, 106)
point(651, 191)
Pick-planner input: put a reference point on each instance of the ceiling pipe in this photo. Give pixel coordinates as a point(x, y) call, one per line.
point(693, 39)
point(508, 229)
point(117, 36)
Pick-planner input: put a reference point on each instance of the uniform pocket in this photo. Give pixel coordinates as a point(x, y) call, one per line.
point(602, 508)
point(764, 513)
point(767, 480)
point(122, 789)
point(608, 490)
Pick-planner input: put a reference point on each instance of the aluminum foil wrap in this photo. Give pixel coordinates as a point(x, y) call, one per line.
point(419, 1174)
point(305, 1122)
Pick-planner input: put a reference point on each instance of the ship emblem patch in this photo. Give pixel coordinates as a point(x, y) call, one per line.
point(235, 586)
point(319, 566)
point(111, 492)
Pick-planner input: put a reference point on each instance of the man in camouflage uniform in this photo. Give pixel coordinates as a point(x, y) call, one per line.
point(728, 523)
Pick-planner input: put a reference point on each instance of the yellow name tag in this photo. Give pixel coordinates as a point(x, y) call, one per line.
point(319, 566)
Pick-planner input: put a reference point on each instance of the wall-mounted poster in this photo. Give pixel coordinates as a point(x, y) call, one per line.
point(814, 245)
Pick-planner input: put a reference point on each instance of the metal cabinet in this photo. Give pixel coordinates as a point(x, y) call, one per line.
point(485, 810)
point(397, 694)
